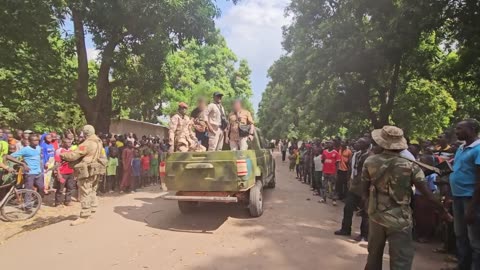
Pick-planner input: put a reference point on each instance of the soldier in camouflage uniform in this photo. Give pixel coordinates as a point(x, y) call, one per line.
point(181, 136)
point(388, 180)
point(88, 164)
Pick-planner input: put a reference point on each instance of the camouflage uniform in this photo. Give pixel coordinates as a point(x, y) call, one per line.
point(390, 178)
point(88, 165)
point(181, 135)
point(243, 117)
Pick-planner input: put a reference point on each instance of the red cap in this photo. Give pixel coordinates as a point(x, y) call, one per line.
point(183, 105)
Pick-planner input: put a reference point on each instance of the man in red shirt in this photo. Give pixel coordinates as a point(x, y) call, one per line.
point(330, 159)
point(64, 179)
point(341, 186)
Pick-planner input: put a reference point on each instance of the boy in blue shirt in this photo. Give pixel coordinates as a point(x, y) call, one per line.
point(32, 157)
point(465, 185)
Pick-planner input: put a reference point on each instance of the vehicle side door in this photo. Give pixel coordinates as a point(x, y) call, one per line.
point(265, 156)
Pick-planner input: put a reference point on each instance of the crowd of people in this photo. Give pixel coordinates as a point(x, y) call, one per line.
point(35, 160)
point(402, 190)
point(51, 162)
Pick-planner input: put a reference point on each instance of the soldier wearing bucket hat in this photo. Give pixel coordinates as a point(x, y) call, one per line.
point(387, 178)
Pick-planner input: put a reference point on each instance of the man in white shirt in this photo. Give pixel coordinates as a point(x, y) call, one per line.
point(318, 173)
point(214, 114)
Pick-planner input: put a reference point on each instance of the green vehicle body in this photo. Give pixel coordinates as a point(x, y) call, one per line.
point(215, 177)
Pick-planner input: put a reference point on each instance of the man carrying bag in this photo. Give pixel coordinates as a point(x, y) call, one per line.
point(240, 128)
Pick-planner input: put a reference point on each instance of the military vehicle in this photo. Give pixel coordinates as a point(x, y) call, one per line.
point(221, 176)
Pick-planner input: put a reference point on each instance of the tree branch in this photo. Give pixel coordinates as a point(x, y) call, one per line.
point(387, 108)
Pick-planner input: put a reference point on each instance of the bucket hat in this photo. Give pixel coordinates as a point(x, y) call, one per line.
point(390, 138)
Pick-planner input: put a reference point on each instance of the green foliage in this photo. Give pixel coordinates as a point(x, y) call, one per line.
point(424, 110)
point(134, 38)
point(356, 65)
point(153, 53)
point(199, 70)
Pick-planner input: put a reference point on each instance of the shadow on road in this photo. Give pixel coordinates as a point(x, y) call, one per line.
point(165, 215)
point(36, 223)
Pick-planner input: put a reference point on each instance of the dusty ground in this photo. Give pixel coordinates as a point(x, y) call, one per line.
point(142, 231)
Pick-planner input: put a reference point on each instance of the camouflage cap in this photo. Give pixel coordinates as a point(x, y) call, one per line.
point(390, 138)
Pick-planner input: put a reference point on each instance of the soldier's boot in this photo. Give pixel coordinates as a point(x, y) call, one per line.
point(79, 220)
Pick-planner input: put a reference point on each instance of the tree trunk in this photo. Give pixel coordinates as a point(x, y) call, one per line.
point(389, 96)
point(97, 110)
point(81, 86)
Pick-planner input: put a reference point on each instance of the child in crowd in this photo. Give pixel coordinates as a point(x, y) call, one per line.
point(12, 148)
point(112, 164)
point(154, 167)
point(136, 170)
point(145, 168)
point(293, 159)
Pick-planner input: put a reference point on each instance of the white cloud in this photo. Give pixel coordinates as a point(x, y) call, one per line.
point(92, 54)
point(253, 30)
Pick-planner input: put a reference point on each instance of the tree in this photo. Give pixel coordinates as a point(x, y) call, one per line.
point(145, 28)
point(350, 65)
point(424, 110)
point(198, 70)
point(362, 44)
point(36, 67)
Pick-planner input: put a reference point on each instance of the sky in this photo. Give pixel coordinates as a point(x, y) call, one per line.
point(253, 30)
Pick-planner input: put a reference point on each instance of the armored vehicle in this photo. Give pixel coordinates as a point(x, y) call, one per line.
point(221, 176)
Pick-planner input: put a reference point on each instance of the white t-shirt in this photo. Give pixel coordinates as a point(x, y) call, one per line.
point(318, 163)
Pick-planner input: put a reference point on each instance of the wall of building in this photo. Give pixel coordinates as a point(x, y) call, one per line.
point(123, 126)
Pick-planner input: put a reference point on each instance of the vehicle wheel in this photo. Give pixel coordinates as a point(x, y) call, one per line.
point(187, 207)
point(273, 181)
point(255, 206)
point(21, 205)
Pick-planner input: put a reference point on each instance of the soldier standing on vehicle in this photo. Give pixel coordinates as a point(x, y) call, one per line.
point(240, 128)
point(216, 123)
point(388, 180)
point(88, 165)
point(180, 135)
point(200, 122)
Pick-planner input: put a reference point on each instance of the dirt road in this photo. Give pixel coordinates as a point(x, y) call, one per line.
point(141, 231)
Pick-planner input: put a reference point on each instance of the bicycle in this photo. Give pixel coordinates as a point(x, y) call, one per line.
point(19, 204)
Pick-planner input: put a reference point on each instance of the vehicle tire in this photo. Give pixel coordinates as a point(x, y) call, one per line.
point(187, 207)
point(16, 208)
point(255, 206)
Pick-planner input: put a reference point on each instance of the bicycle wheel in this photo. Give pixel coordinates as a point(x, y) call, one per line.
point(22, 204)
